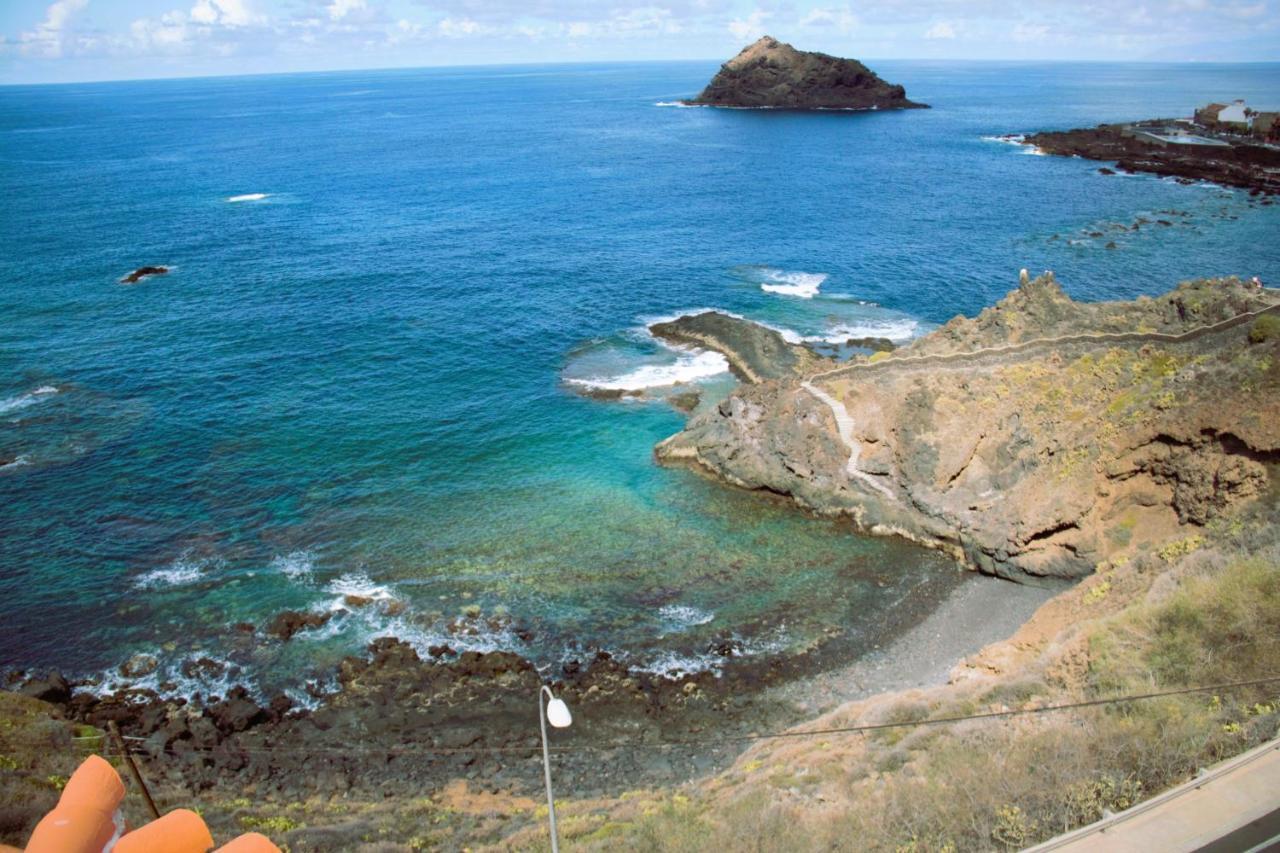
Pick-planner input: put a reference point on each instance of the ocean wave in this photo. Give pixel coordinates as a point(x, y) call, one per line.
point(16, 462)
point(248, 197)
point(357, 585)
point(688, 367)
point(296, 565)
point(804, 285)
point(685, 616)
point(30, 398)
point(895, 330)
point(184, 679)
point(1007, 138)
point(679, 104)
point(180, 572)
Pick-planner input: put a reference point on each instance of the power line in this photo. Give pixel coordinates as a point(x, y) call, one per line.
point(728, 739)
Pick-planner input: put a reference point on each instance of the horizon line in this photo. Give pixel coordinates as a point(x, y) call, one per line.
point(576, 63)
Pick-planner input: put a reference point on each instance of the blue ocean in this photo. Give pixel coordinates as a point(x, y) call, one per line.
point(359, 390)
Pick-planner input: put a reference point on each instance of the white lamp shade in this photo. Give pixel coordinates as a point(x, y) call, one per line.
point(558, 714)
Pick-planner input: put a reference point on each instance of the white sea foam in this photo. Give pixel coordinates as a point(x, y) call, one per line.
point(16, 462)
point(804, 285)
point(688, 367)
point(180, 572)
point(356, 584)
point(169, 682)
point(1006, 139)
point(895, 330)
point(680, 104)
point(30, 398)
point(1034, 151)
point(296, 565)
point(684, 616)
point(248, 197)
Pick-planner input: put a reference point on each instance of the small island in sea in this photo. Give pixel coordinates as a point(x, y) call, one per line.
point(773, 74)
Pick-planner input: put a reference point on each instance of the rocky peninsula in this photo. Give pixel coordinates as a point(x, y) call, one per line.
point(1148, 147)
point(1034, 441)
point(772, 74)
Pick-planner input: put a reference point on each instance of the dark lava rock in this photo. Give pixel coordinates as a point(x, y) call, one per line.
point(755, 353)
point(1105, 171)
point(142, 272)
point(770, 73)
point(237, 712)
point(1112, 245)
point(875, 344)
point(290, 622)
point(139, 665)
point(50, 688)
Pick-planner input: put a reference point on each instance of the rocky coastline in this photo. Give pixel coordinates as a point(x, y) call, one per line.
point(1034, 441)
point(1247, 166)
point(770, 74)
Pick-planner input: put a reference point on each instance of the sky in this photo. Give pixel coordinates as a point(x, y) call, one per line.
point(80, 40)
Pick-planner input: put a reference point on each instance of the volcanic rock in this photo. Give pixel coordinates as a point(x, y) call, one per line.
point(770, 73)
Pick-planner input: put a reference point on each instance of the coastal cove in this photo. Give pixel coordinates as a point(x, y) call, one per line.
point(351, 392)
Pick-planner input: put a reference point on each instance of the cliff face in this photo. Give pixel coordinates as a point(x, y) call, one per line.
point(1037, 439)
point(770, 73)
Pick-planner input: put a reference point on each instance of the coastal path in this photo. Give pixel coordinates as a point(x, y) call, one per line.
point(844, 422)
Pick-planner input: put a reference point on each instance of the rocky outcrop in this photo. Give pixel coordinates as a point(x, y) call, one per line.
point(755, 353)
point(1238, 165)
point(143, 272)
point(770, 73)
point(1035, 440)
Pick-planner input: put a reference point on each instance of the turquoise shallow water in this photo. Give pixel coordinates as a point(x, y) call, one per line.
point(363, 381)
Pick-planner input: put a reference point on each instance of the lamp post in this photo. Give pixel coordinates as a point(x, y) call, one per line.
point(557, 713)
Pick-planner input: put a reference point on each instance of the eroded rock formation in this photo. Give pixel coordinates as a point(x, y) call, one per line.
point(1035, 440)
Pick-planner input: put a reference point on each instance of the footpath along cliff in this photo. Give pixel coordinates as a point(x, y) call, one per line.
point(1035, 440)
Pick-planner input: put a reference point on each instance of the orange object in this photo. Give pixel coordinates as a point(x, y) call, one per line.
point(180, 831)
point(250, 842)
point(95, 783)
point(73, 829)
point(85, 820)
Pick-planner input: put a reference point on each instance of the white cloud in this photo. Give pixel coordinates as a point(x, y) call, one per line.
point(339, 9)
point(751, 27)
point(47, 38)
point(941, 30)
point(841, 19)
point(461, 28)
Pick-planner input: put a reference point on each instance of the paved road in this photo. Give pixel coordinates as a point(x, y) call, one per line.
point(1232, 807)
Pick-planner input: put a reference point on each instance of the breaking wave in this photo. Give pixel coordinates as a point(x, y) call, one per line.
point(688, 367)
point(248, 197)
point(23, 400)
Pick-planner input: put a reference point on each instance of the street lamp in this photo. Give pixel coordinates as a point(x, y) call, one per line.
point(556, 713)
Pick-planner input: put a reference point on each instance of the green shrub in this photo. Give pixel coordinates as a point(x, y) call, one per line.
point(1265, 328)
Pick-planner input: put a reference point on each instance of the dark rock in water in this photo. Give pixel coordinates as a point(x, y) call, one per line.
point(607, 393)
point(202, 668)
point(142, 272)
point(725, 647)
point(50, 688)
point(1112, 245)
point(770, 73)
point(874, 344)
point(685, 401)
point(1105, 171)
point(139, 665)
point(290, 622)
point(1238, 164)
point(755, 353)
